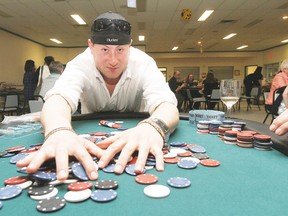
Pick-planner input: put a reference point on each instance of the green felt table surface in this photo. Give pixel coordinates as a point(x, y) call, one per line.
point(248, 181)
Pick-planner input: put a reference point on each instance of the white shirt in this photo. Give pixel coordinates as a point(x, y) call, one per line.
point(142, 86)
point(48, 83)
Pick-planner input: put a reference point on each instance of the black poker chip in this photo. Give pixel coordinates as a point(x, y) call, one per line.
point(51, 204)
point(40, 190)
point(106, 184)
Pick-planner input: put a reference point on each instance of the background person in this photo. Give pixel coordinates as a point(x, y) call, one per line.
point(30, 80)
point(209, 84)
point(176, 85)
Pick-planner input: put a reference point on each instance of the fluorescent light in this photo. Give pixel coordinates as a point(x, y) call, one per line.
point(55, 40)
point(285, 41)
point(205, 15)
point(229, 36)
point(141, 38)
point(285, 17)
point(131, 3)
point(175, 48)
point(78, 19)
point(242, 47)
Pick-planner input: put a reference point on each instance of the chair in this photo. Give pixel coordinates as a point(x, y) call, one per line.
point(11, 104)
point(192, 100)
point(37, 104)
point(277, 99)
point(255, 97)
point(215, 97)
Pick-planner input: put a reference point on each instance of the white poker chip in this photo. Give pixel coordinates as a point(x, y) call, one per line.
point(149, 167)
point(53, 193)
point(170, 155)
point(77, 196)
point(25, 185)
point(156, 191)
point(66, 181)
point(177, 150)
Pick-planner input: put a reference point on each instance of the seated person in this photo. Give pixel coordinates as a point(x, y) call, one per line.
point(176, 86)
point(209, 84)
point(56, 69)
point(190, 81)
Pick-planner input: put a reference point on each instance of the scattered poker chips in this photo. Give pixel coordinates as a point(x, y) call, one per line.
point(51, 204)
point(103, 195)
point(179, 182)
point(9, 192)
point(156, 191)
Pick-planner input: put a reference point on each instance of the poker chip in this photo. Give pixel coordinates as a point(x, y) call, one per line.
point(15, 149)
point(40, 190)
point(9, 192)
point(18, 157)
point(146, 179)
point(109, 168)
point(170, 155)
point(197, 149)
point(53, 193)
point(200, 156)
point(179, 182)
point(156, 191)
point(25, 185)
point(149, 167)
point(210, 162)
point(77, 196)
point(106, 184)
point(185, 154)
point(130, 169)
point(44, 176)
point(51, 204)
point(78, 186)
point(177, 150)
point(150, 163)
point(66, 181)
point(1, 205)
point(177, 144)
point(103, 195)
point(187, 164)
point(16, 180)
point(196, 160)
point(2, 153)
point(171, 160)
point(79, 172)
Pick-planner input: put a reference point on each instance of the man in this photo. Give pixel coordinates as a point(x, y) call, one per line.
point(56, 68)
point(108, 76)
point(176, 86)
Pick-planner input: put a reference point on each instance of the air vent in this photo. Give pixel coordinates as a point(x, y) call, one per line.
point(228, 21)
point(254, 22)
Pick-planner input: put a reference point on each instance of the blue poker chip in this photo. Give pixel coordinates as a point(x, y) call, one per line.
point(109, 168)
point(44, 176)
point(8, 155)
point(187, 164)
point(79, 172)
point(130, 170)
point(18, 157)
point(198, 149)
point(103, 195)
point(150, 163)
point(22, 170)
point(122, 129)
point(9, 192)
point(177, 143)
point(179, 182)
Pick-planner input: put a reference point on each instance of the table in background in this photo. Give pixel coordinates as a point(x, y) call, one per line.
point(248, 181)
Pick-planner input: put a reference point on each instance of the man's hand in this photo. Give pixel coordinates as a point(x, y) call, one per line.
point(60, 146)
point(280, 124)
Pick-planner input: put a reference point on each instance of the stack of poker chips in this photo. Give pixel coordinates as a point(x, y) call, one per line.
point(223, 128)
point(213, 127)
point(262, 142)
point(245, 140)
point(230, 137)
point(203, 127)
point(238, 126)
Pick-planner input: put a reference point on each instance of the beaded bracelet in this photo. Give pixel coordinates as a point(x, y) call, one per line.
point(56, 130)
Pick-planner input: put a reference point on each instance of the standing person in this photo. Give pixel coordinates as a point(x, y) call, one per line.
point(43, 72)
point(252, 80)
point(110, 75)
point(176, 86)
point(56, 68)
point(209, 84)
point(30, 80)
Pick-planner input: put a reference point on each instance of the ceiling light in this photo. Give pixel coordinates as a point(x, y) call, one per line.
point(205, 15)
point(175, 48)
point(141, 38)
point(131, 3)
point(242, 47)
point(285, 41)
point(55, 40)
point(78, 19)
point(285, 17)
point(229, 36)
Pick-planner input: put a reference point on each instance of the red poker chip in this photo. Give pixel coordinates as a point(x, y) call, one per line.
point(146, 179)
point(210, 162)
point(185, 154)
point(16, 180)
point(248, 131)
point(262, 137)
point(171, 160)
point(98, 134)
point(15, 149)
point(79, 186)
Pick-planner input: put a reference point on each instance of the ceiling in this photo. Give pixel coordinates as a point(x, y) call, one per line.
point(258, 23)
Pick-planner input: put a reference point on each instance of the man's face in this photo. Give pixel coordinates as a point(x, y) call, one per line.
point(110, 60)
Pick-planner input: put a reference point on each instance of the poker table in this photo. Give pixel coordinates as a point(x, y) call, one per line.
point(248, 181)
